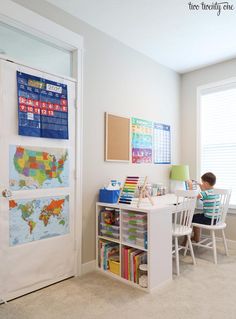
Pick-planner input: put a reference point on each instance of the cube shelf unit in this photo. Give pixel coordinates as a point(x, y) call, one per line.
point(156, 244)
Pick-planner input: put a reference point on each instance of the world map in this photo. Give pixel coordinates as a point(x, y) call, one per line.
point(37, 219)
point(32, 168)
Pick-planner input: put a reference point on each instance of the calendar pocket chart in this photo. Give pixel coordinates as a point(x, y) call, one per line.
point(42, 107)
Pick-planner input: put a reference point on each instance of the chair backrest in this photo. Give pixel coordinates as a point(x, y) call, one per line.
point(221, 205)
point(185, 206)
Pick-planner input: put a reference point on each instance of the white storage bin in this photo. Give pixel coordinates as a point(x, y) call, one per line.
point(108, 233)
point(134, 231)
point(138, 226)
point(129, 239)
point(112, 228)
point(135, 240)
point(138, 217)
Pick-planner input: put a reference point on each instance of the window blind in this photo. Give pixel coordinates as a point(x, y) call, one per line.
point(218, 137)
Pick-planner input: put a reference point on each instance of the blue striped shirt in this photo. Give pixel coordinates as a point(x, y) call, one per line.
point(210, 203)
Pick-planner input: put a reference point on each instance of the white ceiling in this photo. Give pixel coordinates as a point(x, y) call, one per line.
point(165, 30)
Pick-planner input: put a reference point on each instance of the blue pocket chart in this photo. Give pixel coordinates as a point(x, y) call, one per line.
point(42, 107)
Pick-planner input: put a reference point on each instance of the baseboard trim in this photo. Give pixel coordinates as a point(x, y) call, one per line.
point(88, 267)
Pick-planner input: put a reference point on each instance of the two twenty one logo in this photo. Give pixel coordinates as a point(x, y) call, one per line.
point(218, 7)
point(53, 88)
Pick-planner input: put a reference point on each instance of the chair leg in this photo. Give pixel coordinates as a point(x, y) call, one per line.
point(186, 248)
point(177, 255)
point(191, 249)
point(225, 243)
point(214, 246)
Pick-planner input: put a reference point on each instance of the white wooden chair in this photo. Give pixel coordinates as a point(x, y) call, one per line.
point(185, 206)
point(219, 215)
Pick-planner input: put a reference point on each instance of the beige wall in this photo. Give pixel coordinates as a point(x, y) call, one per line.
point(189, 84)
point(120, 80)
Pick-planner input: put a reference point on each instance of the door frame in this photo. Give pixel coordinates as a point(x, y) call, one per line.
point(28, 21)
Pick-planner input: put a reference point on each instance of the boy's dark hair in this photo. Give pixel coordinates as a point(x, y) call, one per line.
point(209, 178)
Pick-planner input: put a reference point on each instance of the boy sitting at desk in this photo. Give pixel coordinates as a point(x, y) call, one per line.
point(208, 198)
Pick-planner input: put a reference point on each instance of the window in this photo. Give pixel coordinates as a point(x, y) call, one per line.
point(218, 136)
point(33, 51)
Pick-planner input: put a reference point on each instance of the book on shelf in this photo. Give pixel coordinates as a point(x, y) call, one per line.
point(131, 259)
point(130, 251)
point(107, 250)
point(133, 265)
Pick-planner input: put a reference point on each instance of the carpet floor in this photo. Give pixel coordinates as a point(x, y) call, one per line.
point(203, 291)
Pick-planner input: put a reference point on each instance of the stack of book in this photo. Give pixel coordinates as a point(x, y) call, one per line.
point(107, 250)
point(131, 259)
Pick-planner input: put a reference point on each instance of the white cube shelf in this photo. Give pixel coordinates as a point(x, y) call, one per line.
point(159, 240)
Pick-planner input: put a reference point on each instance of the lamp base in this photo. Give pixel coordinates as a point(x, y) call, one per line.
point(177, 185)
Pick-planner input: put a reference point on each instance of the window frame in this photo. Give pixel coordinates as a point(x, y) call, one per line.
point(204, 89)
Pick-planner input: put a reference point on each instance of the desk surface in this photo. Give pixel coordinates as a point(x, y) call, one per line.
point(160, 202)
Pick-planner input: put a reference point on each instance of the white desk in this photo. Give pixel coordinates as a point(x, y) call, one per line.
point(159, 233)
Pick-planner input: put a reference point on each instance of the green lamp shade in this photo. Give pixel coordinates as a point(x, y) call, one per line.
point(180, 172)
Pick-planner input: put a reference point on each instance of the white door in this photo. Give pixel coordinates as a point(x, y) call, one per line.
point(37, 218)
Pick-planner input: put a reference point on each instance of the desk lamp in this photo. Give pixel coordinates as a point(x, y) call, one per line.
point(179, 175)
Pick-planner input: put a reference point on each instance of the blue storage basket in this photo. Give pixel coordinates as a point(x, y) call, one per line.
point(108, 196)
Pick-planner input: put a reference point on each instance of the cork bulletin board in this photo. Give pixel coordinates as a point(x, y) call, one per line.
point(117, 138)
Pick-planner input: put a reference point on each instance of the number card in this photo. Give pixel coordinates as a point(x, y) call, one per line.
point(42, 107)
point(161, 144)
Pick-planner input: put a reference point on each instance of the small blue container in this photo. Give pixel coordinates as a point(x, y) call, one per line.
point(108, 196)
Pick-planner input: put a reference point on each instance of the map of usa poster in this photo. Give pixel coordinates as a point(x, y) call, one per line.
point(36, 167)
point(36, 219)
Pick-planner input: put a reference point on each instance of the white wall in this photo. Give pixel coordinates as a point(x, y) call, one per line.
point(120, 80)
point(189, 84)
